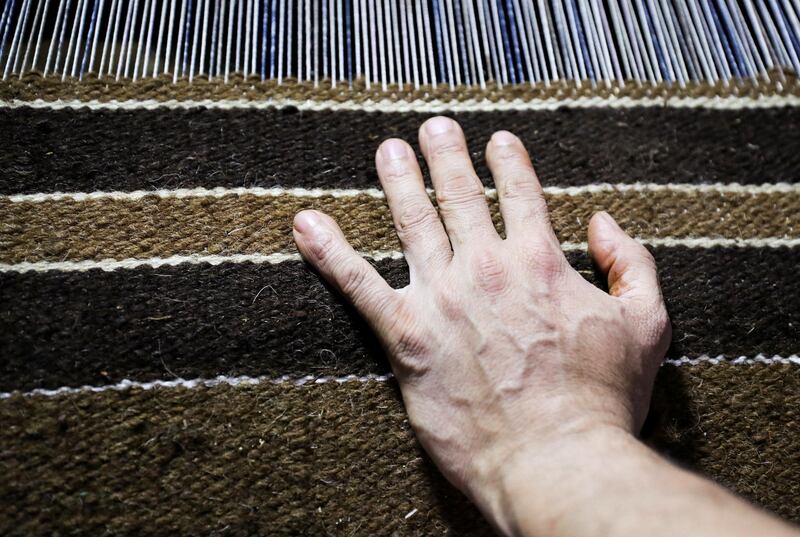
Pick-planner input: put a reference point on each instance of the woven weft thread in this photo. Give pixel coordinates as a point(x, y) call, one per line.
point(342, 455)
point(339, 457)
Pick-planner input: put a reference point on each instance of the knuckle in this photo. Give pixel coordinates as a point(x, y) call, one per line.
point(411, 348)
point(547, 261)
point(512, 153)
point(415, 218)
point(459, 189)
point(449, 306)
point(397, 172)
point(519, 186)
point(412, 345)
point(537, 212)
point(323, 247)
point(633, 265)
point(353, 276)
point(448, 147)
point(490, 272)
point(538, 203)
point(551, 267)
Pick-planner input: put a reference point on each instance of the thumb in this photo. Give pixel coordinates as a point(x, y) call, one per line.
point(629, 266)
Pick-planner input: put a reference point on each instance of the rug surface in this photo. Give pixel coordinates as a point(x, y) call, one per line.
point(169, 364)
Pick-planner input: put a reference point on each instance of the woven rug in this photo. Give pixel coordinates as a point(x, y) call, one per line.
point(169, 364)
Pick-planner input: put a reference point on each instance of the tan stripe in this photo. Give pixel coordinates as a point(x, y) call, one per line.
point(95, 229)
point(311, 459)
point(33, 86)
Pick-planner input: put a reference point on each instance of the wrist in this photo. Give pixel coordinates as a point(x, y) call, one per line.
point(537, 484)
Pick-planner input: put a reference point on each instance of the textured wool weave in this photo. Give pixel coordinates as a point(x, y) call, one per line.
point(333, 458)
point(84, 150)
point(142, 243)
point(234, 319)
point(106, 228)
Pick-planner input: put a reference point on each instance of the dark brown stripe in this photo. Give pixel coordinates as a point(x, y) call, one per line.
point(83, 150)
point(333, 458)
point(161, 227)
point(98, 327)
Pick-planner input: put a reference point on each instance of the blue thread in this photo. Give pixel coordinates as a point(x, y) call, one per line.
point(662, 66)
point(684, 48)
point(512, 72)
point(724, 41)
point(512, 20)
point(795, 43)
point(186, 36)
point(325, 38)
point(5, 13)
point(573, 8)
point(561, 37)
point(272, 38)
point(6, 20)
point(61, 38)
point(461, 43)
point(212, 49)
point(348, 60)
point(440, 68)
point(264, 34)
point(89, 36)
point(730, 32)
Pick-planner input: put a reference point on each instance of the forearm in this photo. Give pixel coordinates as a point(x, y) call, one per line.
point(606, 482)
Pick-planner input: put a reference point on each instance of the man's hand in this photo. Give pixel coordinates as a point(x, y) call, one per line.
point(506, 357)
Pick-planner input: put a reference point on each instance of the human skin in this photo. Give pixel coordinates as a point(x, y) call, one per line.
point(526, 384)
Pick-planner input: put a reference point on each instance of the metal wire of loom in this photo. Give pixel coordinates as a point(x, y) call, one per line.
point(405, 43)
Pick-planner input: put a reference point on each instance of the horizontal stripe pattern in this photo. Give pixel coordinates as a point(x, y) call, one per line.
point(272, 458)
point(82, 150)
point(162, 227)
point(184, 371)
point(200, 321)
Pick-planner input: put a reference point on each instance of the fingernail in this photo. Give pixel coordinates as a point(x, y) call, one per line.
point(439, 125)
point(503, 138)
point(308, 222)
point(394, 150)
point(606, 219)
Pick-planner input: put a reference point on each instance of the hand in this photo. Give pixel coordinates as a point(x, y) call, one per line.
point(500, 348)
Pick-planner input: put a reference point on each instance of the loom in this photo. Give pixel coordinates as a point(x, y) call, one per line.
point(169, 364)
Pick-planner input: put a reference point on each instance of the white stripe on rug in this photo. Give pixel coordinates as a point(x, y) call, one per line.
point(377, 255)
point(218, 192)
point(307, 380)
point(422, 106)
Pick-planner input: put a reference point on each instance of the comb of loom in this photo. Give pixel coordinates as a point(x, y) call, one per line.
point(534, 46)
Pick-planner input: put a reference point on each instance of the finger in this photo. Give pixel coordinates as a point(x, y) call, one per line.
point(323, 245)
point(459, 192)
point(417, 223)
point(522, 202)
point(629, 266)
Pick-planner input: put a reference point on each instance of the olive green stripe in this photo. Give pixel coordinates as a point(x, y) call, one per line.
point(153, 226)
point(33, 86)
